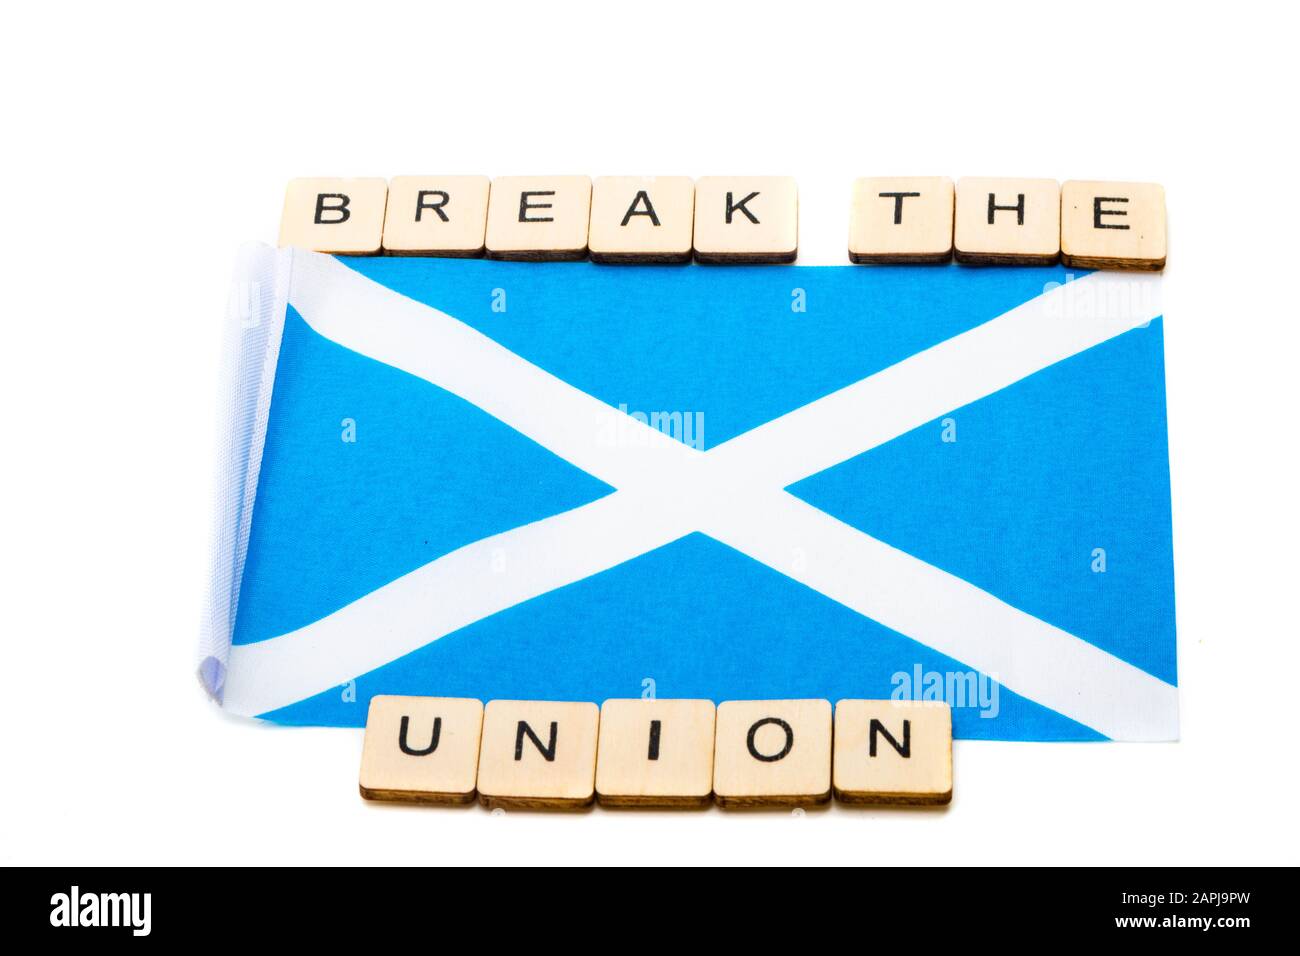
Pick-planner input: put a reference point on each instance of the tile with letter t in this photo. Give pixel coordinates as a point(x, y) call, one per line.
point(1113, 225)
point(421, 749)
point(893, 752)
point(772, 753)
point(341, 216)
point(642, 219)
point(538, 755)
point(539, 218)
point(1008, 221)
point(746, 219)
point(901, 219)
point(436, 216)
point(655, 753)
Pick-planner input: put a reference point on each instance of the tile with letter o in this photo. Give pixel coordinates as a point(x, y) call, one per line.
point(421, 749)
point(642, 219)
point(901, 219)
point(1113, 225)
point(655, 753)
point(746, 219)
point(893, 752)
point(340, 216)
point(538, 755)
point(1008, 221)
point(436, 216)
point(539, 218)
point(772, 753)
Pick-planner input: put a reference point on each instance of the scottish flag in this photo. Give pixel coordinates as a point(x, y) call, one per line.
point(573, 482)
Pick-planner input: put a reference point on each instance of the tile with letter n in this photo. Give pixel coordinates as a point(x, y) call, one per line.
point(642, 219)
point(901, 219)
point(746, 219)
point(340, 216)
point(538, 755)
point(893, 752)
point(772, 753)
point(1113, 225)
point(655, 753)
point(539, 218)
point(436, 216)
point(1008, 221)
point(421, 749)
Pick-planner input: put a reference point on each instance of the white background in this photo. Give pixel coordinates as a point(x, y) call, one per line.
point(143, 144)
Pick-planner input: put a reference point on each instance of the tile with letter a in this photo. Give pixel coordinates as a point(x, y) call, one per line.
point(893, 752)
point(539, 218)
point(901, 219)
point(642, 219)
point(772, 753)
point(421, 749)
point(746, 219)
point(1008, 221)
point(436, 216)
point(340, 216)
point(538, 755)
point(655, 753)
point(1113, 225)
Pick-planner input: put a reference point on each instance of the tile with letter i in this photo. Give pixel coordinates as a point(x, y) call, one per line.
point(539, 218)
point(1113, 225)
point(340, 216)
point(421, 749)
point(746, 219)
point(1008, 221)
point(642, 219)
point(893, 752)
point(538, 755)
point(772, 753)
point(436, 216)
point(655, 753)
point(901, 219)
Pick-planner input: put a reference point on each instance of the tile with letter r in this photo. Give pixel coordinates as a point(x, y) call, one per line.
point(893, 752)
point(746, 219)
point(1008, 221)
point(539, 218)
point(901, 219)
point(538, 755)
point(341, 216)
point(436, 216)
point(642, 219)
point(655, 753)
point(772, 753)
point(1113, 225)
point(421, 749)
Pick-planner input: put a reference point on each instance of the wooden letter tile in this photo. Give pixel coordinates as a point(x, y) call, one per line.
point(655, 753)
point(772, 753)
point(1113, 225)
point(421, 749)
point(342, 216)
point(893, 752)
point(901, 219)
point(642, 219)
point(539, 218)
point(1008, 221)
point(538, 755)
point(436, 216)
point(746, 219)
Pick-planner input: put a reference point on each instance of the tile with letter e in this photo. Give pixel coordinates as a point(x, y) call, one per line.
point(341, 216)
point(421, 749)
point(901, 219)
point(655, 753)
point(538, 755)
point(539, 218)
point(1113, 225)
point(746, 219)
point(436, 216)
point(772, 753)
point(893, 752)
point(642, 219)
point(1008, 221)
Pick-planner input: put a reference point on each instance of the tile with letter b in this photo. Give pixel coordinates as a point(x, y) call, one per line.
point(642, 219)
point(436, 216)
point(893, 752)
point(421, 749)
point(655, 753)
point(341, 216)
point(772, 753)
point(746, 219)
point(538, 755)
point(1113, 225)
point(539, 218)
point(1008, 221)
point(901, 219)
